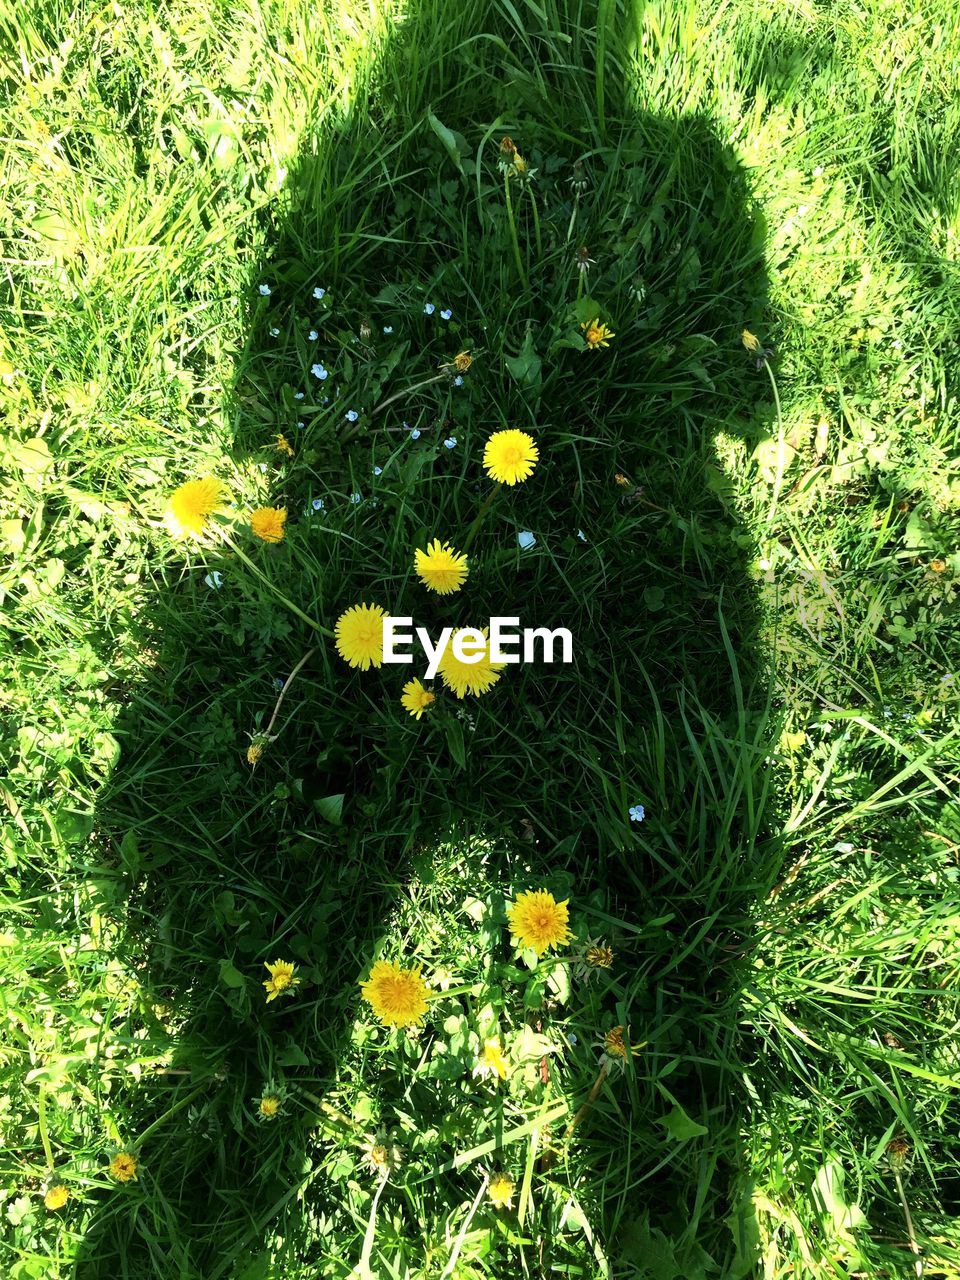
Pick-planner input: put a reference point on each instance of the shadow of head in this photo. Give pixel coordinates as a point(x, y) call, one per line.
point(397, 212)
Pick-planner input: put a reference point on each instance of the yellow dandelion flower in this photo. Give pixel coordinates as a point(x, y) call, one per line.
point(268, 523)
point(614, 1043)
point(596, 334)
point(500, 1191)
point(359, 636)
point(123, 1166)
point(258, 744)
point(57, 1196)
point(190, 507)
point(491, 1062)
point(269, 1107)
point(519, 165)
point(441, 568)
point(750, 341)
point(397, 996)
point(281, 978)
point(510, 456)
point(462, 678)
point(462, 361)
point(621, 480)
point(538, 921)
point(938, 566)
point(283, 445)
point(415, 698)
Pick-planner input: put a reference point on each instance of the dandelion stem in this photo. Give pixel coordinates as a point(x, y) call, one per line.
point(337, 1116)
point(464, 1228)
point(536, 222)
point(513, 233)
point(241, 555)
point(42, 1122)
point(550, 1157)
point(475, 527)
point(363, 1268)
point(780, 443)
point(286, 685)
point(398, 395)
point(573, 215)
point(915, 1248)
point(177, 1106)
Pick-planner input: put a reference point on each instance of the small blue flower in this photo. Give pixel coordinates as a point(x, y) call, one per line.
point(446, 314)
point(429, 309)
point(317, 504)
point(351, 415)
point(378, 471)
point(298, 395)
point(277, 682)
point(581, 535)
point(526, 540)
point(458, 381)
point(274, 333)
point(319, 371)
point(318, 293)
point(415, 433)
point(450, 442)
point(312, 336)
point(388, 328)
point(637, 813)
point(214, 580)
point(265, 291)
point(263, 468)
point(301, 425)
point(355, 498)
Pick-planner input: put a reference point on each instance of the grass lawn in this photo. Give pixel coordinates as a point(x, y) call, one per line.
point(714, 277)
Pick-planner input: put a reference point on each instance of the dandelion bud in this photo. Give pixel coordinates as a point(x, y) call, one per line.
point(898, 1154)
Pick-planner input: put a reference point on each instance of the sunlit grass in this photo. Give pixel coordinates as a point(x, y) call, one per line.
point(765, 615)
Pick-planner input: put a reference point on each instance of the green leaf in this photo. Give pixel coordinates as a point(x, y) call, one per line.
point(258, 1269)
point(558, 983)
point(292, 1056)
point(32, 458)
point(525, 368)
point(12, 536)
point(330, 808)
point(448, 138)
point(586, 309)
point(130, 854)
point(231, 976)
point(680, 1126)
point(455, 742)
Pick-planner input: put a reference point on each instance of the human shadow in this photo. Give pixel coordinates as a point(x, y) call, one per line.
point(392, 209)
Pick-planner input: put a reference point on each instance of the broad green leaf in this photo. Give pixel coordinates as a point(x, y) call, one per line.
point(680, 1126)
point(330, 808)
point(231, 976)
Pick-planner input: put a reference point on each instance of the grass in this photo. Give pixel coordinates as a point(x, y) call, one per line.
point(764, 610)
